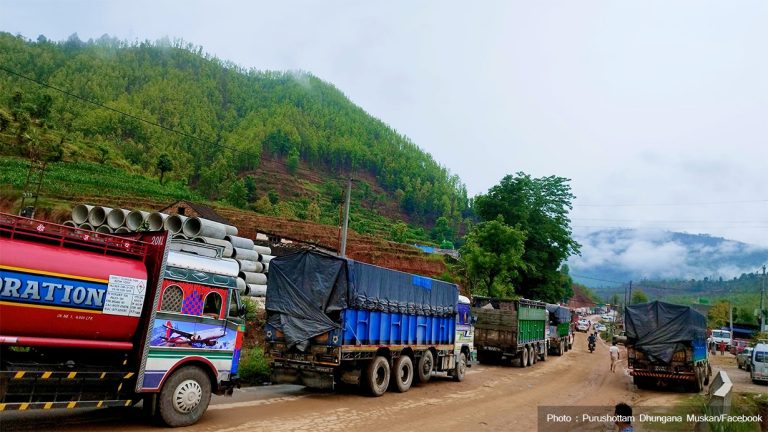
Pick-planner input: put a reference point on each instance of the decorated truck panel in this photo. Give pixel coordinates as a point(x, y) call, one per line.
point(333, 321)
point(95, 320)
point(510, 330)
point(667, 344)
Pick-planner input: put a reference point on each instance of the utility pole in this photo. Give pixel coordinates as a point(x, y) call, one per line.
point(630, 293)
point(346, 219)
point(762, 294)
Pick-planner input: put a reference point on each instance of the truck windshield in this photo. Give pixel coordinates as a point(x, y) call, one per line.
point(721, 334)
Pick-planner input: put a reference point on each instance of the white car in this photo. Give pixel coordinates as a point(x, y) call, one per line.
point(600, 327)
point(583, 325)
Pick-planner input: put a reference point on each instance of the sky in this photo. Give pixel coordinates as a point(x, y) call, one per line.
point(655, 110)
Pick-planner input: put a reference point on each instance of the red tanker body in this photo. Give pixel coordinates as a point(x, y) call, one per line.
point(62, 295)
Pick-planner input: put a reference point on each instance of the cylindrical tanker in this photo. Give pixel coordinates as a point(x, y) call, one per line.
point(64, 293)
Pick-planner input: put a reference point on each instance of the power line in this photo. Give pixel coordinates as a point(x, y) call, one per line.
point(672, 204)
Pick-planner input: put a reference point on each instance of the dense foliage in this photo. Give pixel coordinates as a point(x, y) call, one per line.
point(226, 120)
point(538, 209)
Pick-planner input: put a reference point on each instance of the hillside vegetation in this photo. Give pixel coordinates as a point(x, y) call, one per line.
point(281, 143)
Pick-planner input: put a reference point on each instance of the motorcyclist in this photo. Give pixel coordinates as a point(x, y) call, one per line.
point(592, 339)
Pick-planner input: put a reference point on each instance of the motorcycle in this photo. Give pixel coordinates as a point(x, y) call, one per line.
point(591, 347)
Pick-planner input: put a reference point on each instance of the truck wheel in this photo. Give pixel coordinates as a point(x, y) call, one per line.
point(531, 355)
point(563, 348)
point(461, 368)
point(524, 357)
point(426, 364)
point(402, 373)
point(377, 376)
point(544, 355)
point(184, 397)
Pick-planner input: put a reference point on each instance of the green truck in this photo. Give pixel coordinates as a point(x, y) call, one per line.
point(510, 330)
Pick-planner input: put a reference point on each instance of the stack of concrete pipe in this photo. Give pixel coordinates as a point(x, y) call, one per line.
point(253, 259)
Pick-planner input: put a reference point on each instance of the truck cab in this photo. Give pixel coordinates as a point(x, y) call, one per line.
point(721, 336)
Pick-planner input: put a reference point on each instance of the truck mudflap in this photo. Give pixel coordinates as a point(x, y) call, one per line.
point(664, 375)
point(312, 376)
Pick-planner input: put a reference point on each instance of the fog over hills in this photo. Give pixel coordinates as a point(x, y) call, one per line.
point(616, 256)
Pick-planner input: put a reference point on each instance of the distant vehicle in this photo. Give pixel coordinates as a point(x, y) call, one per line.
point(583, 325)
point(721, 336)
point(743, 359)
point(759, 363)
point(513, 330)
point(738, 346)
point(600, 327)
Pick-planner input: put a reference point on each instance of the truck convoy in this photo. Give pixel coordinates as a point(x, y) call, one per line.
point(333, 321)
point(559, 329)
point(95, 320)
point(667, 345)
point(508, 330)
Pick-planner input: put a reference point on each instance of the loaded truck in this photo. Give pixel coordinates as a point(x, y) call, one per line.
point(559, 329)
point(334, 321)
point(667, 346)
point(509, 330)
point(97, 320)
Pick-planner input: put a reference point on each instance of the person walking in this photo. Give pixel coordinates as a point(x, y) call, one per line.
point(722, 348)
point(614, 352)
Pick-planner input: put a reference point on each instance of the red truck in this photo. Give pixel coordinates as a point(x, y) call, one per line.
point(97, 320)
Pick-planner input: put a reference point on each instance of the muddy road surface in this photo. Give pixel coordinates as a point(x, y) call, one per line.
point(491, 398)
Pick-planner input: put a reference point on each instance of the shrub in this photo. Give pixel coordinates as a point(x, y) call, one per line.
point(254, 366)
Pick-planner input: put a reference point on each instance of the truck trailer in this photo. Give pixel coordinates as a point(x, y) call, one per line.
point(508, 330)
point(334, 321)
point(667, 346)
point(98, 320)
point(559, 329)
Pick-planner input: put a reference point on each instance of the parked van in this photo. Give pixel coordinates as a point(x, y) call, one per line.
point(759, 362)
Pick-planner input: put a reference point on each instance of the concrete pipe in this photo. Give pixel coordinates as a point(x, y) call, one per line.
point(228, 251)
point(156, 221)
point(80, 213)
point(104, 229)
point(179, 236)
point(98, 215)
point(256, 290)
point(174, 223)
point(136, 219)
point(199, 227)
point(231, 230)
point(245, 254)
point(239, 242)
point(116, 218)
point(266, 268)
point(70, 223)
point(266, 258)
point(262, 250)
point(254, 278)
point(250, 266)
point(85, 226)
point(241, 285)
point(122, 230)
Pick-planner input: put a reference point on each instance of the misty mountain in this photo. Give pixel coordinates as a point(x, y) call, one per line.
point(615, 256)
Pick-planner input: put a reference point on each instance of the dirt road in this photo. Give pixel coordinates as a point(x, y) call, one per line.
point(491, 398)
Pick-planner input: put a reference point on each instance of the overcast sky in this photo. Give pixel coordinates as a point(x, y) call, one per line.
point(656, 110)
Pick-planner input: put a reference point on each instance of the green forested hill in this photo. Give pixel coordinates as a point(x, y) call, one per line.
point(229, 121)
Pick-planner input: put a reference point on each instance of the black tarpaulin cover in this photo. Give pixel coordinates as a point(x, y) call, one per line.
point(558, 314)
point(656, 328)
point(304, 288)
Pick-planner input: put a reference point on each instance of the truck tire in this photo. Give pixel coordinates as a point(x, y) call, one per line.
point(544, 354)
point(460, 369)
point(532, 355)
point(524, 357)
point(377, 376)
point(563, 348)
point(184, 397)
point(424, 369)
point(402, 373)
